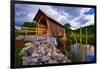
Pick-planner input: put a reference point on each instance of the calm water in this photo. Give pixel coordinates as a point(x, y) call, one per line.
point(75, 53)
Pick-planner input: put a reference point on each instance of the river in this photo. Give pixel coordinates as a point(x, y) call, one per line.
point(75, 54)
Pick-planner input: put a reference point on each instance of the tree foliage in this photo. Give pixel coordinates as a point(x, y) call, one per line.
point(29, 24)
point(90, 31)
point(67, 28)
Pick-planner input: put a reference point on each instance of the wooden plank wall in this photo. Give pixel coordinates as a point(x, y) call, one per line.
point(55, 29)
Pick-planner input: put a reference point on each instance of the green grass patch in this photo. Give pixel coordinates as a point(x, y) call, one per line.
point(18, 59)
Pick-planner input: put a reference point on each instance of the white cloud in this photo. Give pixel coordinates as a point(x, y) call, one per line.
point(77, 23)
point(74, 16)
point(54, 14)
point(84, 10)
point(91, 20)
point(51, 12)
point(83, 20)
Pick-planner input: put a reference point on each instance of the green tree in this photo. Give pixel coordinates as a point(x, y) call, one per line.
point(29, 24)
point(67, 28)
point(67, 32)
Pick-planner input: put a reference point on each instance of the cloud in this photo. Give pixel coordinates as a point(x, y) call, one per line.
point(83, 10)
point(83, 20)
point(76, 16)
point(61, 17)
point(24, 13)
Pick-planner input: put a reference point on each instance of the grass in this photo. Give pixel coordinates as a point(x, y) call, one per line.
point(18, 59)
point(90, 38)
point(18, 48)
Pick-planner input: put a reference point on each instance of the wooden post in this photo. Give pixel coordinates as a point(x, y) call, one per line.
point(74, 37)
point(65, 41)
point(36, 30)
point(48, 28)
point(38, 26)
point(86, 41)
point(81, 47)
point(26, 31)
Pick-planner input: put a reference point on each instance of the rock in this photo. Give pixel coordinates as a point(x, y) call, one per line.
point(49, 54)
point(42, 51)
point(25, 51)
point(34, 54)
point(26, 60)
point(29, 38)
point(34, 60)
point(65, 59)
point(28, 44)
point(52, 61)
point(45, 58)
point(19, 37)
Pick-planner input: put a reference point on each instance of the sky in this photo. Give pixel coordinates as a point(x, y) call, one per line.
point(76, 16)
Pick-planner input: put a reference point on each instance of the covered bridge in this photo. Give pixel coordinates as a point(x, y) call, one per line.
point(47, 25)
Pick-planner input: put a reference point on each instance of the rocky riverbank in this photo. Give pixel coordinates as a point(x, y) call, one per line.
point(42, 50)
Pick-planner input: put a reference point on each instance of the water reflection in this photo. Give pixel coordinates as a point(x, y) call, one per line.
point(75, 54)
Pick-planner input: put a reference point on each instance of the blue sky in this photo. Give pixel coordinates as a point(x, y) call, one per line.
point(77, 17)
point(90, 12)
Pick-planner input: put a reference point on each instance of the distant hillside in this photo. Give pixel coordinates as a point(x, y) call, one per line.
point(90, 34)
point(90, 29)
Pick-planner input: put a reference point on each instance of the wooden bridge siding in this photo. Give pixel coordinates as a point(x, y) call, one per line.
point(55, 29)
point(42, 27)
